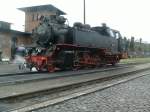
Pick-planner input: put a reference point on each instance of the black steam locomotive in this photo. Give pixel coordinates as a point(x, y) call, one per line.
point(63, 47)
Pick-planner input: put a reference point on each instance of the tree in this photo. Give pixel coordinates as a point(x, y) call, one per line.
point(132, 44)
point(140, 46)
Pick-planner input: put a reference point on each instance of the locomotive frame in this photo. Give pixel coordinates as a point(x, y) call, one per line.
point(68, 56)
point(63, 47)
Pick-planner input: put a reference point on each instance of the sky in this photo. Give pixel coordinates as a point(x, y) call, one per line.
point(130, 17)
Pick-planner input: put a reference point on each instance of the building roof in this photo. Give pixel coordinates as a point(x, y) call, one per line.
point(14, 32)
point(5, 22)
point(5, 25)
point(48, 7)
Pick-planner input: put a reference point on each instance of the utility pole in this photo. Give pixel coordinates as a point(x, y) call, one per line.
point(84, 12)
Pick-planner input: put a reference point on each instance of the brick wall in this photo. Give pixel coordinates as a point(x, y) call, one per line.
point(32, 19)
point(5, 44)
point(24, 40)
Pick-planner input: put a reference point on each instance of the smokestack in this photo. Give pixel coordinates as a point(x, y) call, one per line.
point(84, 12)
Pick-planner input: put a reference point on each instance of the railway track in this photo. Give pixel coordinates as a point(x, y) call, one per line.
point(9, 79)
point(76, 86)
point(25, 77)
point(3, 74)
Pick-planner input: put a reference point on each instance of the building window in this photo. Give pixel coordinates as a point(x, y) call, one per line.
point(37, 17)
point(32, 17)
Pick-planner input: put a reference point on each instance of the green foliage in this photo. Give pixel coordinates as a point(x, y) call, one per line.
point(136, 48)
point(135, 60)
point(132, 44)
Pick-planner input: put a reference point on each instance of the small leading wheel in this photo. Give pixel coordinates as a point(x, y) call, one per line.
point(113, 64)
point(33, 69)
point(50, 68)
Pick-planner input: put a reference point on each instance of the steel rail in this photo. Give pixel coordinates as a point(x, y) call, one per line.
point(48, 77)
point(103, 77)
point(41, 72)
point(137, 74)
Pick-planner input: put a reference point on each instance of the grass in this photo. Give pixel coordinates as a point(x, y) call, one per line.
point(135, 60)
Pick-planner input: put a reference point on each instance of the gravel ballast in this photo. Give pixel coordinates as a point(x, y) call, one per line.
point(132, 96)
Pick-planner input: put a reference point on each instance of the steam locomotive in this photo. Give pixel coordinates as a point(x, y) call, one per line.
point(60, 46)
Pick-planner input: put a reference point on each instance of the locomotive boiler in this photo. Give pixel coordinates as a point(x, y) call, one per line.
point(59, 46)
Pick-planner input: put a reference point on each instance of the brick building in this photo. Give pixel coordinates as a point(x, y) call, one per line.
point(10, 39)
point(33, 14)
